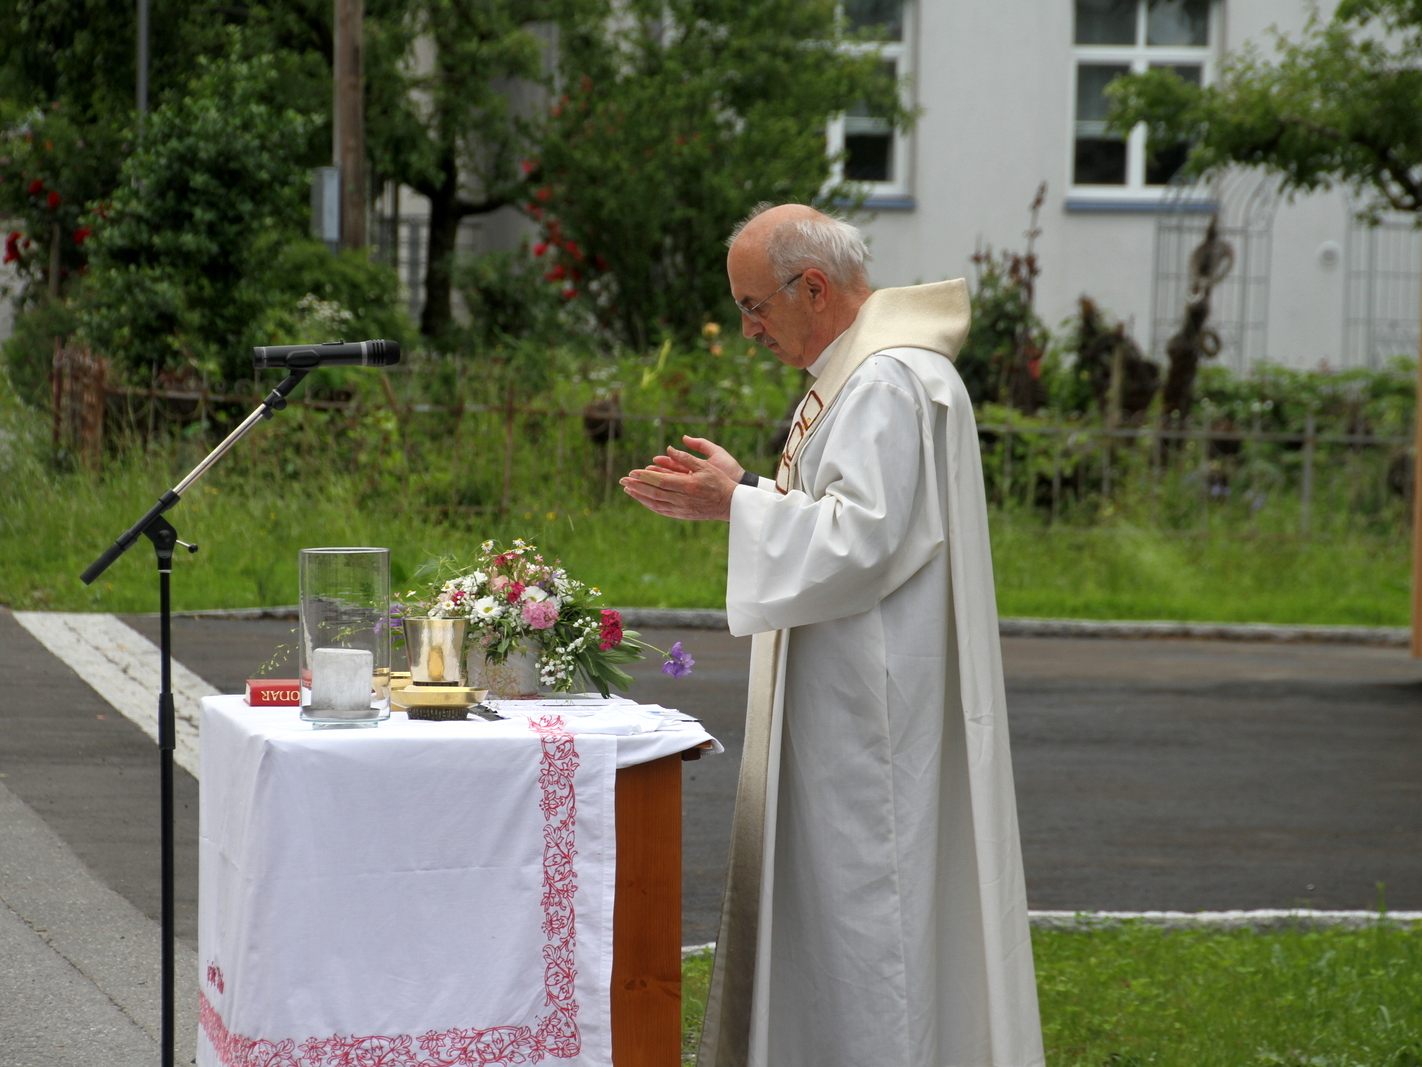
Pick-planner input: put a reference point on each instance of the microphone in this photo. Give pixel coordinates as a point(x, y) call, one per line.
point(329, 354)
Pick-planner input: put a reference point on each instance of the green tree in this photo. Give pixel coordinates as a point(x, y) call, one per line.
point(673, 120)
point(180, 267)
point(68, 119)
point(1341, 105)
point(443, 115)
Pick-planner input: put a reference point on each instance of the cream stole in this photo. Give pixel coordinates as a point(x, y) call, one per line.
point(933, 317)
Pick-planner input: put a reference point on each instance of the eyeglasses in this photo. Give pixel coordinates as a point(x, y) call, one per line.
point(753, 311)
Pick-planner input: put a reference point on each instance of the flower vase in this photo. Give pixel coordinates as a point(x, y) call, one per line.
point(516, 678)
point(436, 650)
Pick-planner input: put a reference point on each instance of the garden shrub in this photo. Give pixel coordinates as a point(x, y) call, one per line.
point(182, 265)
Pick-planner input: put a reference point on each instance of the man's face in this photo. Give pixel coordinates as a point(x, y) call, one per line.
point(780, 316)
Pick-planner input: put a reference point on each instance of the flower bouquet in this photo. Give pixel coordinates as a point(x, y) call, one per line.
point(517, 601)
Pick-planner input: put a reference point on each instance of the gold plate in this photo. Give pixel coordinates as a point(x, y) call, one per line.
point(436, 696)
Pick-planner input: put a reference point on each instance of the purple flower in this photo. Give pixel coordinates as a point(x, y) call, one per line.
point(679, 662)
point(395, 620)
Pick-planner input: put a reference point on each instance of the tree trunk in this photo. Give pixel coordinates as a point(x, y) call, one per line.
point(445, 215)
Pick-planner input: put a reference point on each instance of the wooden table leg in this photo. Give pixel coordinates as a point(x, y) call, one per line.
point(646, 921)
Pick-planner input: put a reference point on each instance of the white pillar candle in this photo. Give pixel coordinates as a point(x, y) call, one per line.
point(340, 682)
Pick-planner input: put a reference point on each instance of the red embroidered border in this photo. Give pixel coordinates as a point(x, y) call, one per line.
point(554, 1035)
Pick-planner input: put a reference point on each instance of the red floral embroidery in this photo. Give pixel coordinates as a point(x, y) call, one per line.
point(554, 1035)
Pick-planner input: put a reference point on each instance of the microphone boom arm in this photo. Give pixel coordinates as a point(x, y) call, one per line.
point(274, 401)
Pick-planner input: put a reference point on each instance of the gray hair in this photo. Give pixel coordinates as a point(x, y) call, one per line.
point(826, 242)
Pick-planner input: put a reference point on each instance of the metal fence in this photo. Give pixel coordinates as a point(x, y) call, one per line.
point(501, 458)
point(1182, 475)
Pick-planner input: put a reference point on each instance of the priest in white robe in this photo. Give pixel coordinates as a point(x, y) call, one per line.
point(875, 911)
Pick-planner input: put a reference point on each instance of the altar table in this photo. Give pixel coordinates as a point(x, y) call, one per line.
point(431, 893)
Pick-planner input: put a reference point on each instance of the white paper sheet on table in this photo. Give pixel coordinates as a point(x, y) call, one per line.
point(585, 716)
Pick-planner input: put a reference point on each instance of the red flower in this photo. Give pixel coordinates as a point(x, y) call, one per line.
point(527, 166)
point(543, 194)
point(569, 293)
point(611, 635)
point(36, 187)
point(599, 263)
point(573, 249)
point(12, 246)
point(557, 274)
point(52, 201)
point(540, 248)
point(515, 591)
point(82, 234)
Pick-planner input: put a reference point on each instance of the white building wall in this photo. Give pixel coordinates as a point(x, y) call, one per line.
point(994, 85)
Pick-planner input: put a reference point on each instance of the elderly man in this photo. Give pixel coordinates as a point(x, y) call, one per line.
point(875, 912)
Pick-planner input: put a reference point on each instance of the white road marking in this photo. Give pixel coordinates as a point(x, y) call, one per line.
point(122, 666)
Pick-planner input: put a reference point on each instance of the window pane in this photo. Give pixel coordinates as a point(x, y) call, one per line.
point(1091, 82)
point(1190, 72)
point(868, 157)
point(1178, 22)
point(1099, 161)
point(1164, 159)
point(869, 140)
point(1106, 21)
point(1100, 157)
point(884, 16)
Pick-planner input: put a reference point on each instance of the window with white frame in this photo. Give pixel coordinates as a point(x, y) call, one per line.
point(1115, 37)
point(875, 154)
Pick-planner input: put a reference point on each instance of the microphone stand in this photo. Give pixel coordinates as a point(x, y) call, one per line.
point(164, 537)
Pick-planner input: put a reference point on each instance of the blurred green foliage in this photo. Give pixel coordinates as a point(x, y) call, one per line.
point(1339, 105)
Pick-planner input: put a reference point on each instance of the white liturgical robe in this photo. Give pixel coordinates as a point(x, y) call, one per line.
point(876, 912)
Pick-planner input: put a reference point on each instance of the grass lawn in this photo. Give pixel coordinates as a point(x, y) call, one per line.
point(1130, 994)
point(54, 524)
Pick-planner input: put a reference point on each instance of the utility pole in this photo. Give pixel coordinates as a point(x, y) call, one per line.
point(1417, 513)
point(348, 119)
point(141, 65)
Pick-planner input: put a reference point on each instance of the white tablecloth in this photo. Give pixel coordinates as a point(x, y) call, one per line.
point(419, 893)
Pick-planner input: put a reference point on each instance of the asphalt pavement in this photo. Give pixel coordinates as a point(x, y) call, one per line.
point(1153, 773)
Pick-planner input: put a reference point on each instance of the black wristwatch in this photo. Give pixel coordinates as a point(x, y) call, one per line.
point(748, 478)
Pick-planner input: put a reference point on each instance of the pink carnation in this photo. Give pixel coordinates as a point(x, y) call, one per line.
point(540, 614)
point(611, 630)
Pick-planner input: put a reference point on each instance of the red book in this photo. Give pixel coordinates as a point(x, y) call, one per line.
point(273, 692)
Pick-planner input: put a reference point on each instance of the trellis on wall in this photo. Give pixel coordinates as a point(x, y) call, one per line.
point(1245, 202)
point(1382, 295)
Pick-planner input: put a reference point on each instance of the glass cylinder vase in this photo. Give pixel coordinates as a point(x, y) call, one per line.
point(345, 604)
